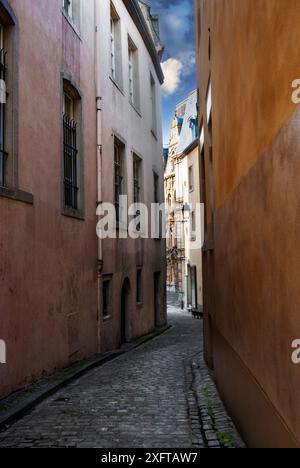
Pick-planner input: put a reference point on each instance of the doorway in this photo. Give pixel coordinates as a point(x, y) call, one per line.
point(125, 304)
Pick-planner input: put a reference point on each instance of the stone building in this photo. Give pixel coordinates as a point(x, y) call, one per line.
point(184, 263)
point(73, 71)
point(250, 166)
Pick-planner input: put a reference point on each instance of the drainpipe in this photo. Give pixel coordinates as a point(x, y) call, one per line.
point(99, 155)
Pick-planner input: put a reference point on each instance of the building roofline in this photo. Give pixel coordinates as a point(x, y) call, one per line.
point(139, 20)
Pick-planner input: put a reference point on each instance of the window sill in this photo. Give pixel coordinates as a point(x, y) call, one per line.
point(72, 24)
point(107, 318)
point(154, 134)
point(75, 214)
point(116, 85)
point(136, 109)
point(17, 195)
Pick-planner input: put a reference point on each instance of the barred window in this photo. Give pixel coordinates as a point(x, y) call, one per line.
point(137, 179)
point(72, 170)
point(118, 162)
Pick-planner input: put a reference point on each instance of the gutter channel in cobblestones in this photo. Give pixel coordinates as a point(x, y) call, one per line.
point(216, 427)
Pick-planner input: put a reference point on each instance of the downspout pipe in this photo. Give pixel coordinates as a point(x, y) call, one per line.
point(99, 155)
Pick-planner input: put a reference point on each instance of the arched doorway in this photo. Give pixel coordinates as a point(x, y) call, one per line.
point(125, 305)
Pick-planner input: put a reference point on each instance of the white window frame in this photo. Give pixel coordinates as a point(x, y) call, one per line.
point(113, 47)
point(69, 10)
point(130, 71)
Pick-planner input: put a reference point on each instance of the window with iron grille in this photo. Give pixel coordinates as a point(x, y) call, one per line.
point(118, 178)
point(70, 142)
point(3, 153)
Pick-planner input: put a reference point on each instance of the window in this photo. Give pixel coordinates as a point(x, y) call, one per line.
point(139, 286)
point(133, 74)
point(160, 218)
point(193, 124)
point(9, 117)
point(112, 49)
point(71, 9)
point(193, 226)
point(68, 7)
point(156, 187)
point(115, 46)
point(107, 298)
point(137, 165)
point(153, 104)
point(131, 86)
point(191, 179)
point(72, 171)
point(119, 175)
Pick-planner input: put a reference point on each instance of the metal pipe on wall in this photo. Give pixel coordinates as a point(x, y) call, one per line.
point(99, 155)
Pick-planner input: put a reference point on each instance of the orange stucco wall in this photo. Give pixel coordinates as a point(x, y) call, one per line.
point(252, 268)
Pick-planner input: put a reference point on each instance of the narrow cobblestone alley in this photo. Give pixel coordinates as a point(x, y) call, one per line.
point(142, 399)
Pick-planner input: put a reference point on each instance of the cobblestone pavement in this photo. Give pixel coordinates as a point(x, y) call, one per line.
point(146, 398)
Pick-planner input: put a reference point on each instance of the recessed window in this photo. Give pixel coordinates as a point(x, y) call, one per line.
point(119, 172)
point(68, 7)
point(133, 74)
point(153, 104)
point(191, 178)
point(72, 164)
point(137, 179)
point(156, 187)
point(107, 298)
point(71, 9)
point(139, 286)
point(193, 226)
point(8, 101)
point(115, 46)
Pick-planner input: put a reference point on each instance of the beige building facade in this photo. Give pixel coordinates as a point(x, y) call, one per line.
point(184, 264)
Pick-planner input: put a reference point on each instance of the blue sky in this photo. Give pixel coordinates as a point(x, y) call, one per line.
point(177, 33)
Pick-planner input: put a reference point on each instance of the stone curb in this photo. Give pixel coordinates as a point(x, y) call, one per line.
point(217, 428)
point(22, 402)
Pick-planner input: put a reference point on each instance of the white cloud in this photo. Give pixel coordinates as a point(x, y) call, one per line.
point(172, 69)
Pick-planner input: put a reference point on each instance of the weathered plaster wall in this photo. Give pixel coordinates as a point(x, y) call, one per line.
point(251, 279)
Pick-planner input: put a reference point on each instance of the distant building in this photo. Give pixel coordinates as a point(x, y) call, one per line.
point(250, 177)
point(184, 264)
